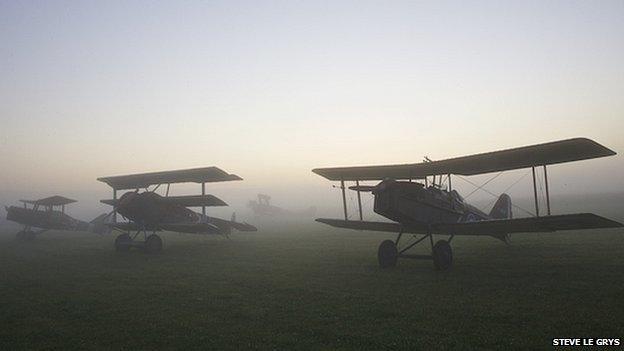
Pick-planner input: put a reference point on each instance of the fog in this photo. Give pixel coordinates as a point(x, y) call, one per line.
point(277, 89)
point(569, 186)
point(269, 90)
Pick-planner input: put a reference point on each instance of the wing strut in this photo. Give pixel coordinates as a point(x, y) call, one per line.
point(547, 193)
point(115, 207)
point(203, 194)
point(357, 184)
point(344, 199)
point(535, 193)
point(537, 214)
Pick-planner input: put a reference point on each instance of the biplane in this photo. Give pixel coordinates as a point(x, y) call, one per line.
point(49, 214)
point(417, 200)
point(147, 212)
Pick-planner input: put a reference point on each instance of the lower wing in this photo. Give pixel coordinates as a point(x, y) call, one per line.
point(374, 226)
point(190, 228)
point(493, 227)
point(215, 226)
point(231, 224)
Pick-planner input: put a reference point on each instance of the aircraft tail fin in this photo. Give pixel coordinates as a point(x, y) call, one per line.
point(98, 224)
point(502, 208)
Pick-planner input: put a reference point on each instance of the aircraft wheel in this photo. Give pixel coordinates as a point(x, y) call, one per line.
point(387, 254)
point(153, 244)
point(442, 255)
point(122, 242)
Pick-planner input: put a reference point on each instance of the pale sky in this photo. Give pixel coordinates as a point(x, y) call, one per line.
point(271, 89)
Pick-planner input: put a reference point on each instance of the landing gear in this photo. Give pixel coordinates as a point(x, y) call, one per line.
point(153, 244)
point(387, 254)
point(123, 242)
point(25, 235)
point(442, 255)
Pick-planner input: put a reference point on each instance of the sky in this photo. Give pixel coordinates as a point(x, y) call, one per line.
point(271, 89)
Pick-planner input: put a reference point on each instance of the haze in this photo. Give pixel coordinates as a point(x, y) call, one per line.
point(270, 90)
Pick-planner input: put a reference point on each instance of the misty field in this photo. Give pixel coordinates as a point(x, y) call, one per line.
point(307, 286)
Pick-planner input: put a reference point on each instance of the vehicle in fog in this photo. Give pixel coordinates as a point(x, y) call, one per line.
point(147, 211)
point(263, 207)
point(433, 207)
point(49, 214)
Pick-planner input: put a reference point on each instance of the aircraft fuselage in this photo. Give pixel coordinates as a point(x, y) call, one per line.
point(149, 209)
point(411, 202)
point(45, 219)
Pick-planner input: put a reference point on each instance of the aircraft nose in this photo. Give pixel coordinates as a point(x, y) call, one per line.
point(383, 185)
point(125, 199)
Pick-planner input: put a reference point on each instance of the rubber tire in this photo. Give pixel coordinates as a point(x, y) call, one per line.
point(153, 244)
point(122, 243)
point(442, 255)
point(387, 254)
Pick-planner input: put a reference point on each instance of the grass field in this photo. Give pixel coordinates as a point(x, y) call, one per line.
point(307, 286)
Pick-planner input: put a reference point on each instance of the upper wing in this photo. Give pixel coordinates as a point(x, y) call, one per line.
point(194, 175)
point(187, 201)
point(528, 156)
point(488, 227)
point(55, 200)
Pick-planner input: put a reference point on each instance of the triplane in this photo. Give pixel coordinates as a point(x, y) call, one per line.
point(147, 211)
point(49, 214)
point(428, 208)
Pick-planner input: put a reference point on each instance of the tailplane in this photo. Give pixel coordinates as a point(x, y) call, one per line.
point(241, 227)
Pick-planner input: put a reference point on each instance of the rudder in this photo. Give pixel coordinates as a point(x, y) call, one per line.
point(99, 224)
point(502, 208)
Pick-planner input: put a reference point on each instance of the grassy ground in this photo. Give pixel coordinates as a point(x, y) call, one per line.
point(307, 287)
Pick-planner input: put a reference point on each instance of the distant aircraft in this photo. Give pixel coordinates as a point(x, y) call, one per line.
point(263, 207)
point(429, 208)
point(147, 211)
point(49, 214)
